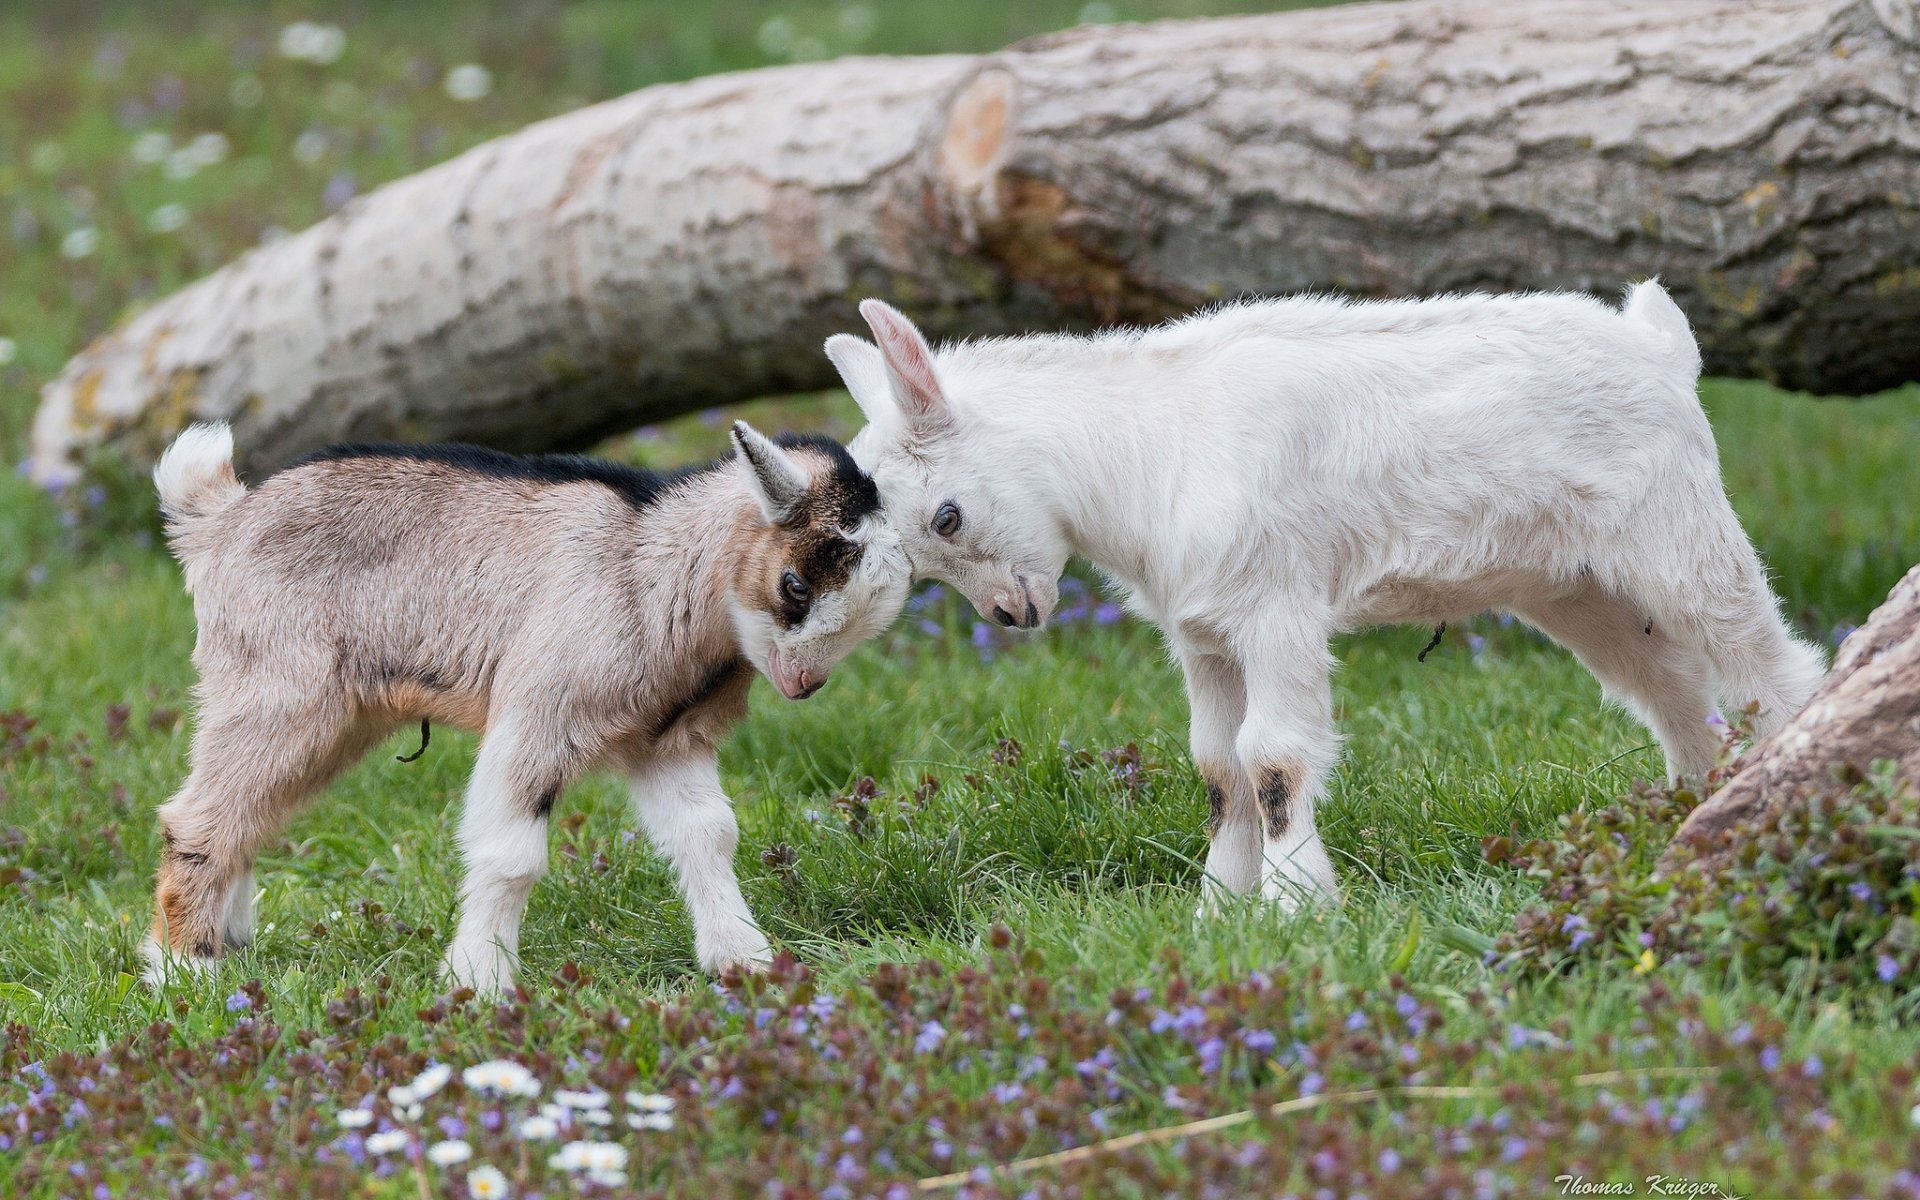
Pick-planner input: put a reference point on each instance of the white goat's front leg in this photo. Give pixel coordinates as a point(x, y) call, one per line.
point(503, 840)
point(690, 820)
point(1287, 746)
point(1217, 699)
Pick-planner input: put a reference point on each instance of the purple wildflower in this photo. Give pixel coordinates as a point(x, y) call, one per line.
point(929, 1038)
point(239, 1002)
point(1886, 968)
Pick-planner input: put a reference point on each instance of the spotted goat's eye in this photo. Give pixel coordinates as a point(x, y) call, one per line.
point(795, 589)
point(946, 521)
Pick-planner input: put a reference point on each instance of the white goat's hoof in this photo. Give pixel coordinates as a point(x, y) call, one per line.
point(488, 970)
point(747, 949)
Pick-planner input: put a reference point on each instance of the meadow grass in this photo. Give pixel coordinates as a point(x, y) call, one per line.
point(1038, 785)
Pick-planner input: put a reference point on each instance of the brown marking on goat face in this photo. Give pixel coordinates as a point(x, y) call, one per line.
point(809, 541)
point(1277, 785)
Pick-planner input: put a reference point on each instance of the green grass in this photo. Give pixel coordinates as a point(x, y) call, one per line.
point(1097, 876)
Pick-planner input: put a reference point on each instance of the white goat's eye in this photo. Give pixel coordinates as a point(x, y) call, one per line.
point(795, 588)
point(946, 521)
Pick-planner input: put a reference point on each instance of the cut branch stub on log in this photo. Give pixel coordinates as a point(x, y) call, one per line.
point(1867, 711)
point(693, 243)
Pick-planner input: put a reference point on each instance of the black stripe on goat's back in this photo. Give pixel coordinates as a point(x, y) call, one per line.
point(853, 492)
point(635, 485)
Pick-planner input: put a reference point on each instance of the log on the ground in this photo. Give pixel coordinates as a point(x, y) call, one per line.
point(693, 243)
point(1866, 712)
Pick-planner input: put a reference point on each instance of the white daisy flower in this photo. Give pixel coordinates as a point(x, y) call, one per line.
point(168, 218)
point(388, 1141)
point(209, 148)
point(468, 82)
point(539, 1129)
point(501, 1078)
point(151, 147)
point(596, 1116)
point(449, 1152)
point(608, 1179)
point(353, 1118)
point(487, 1183)
point(590, 1156)
point(653, 1102)
point(658, 1122)
point(80, 243)
point(590, 1098)
point(400, 1096)
point(430, 1080)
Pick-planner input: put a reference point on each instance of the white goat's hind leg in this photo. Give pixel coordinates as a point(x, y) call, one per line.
point(503, 842)
point(1644, 661)
point(1216, 696)
point(1287, 746)
point(690, 820)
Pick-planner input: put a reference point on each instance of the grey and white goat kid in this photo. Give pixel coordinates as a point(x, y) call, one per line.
point(580, 613)
point(1260, 477)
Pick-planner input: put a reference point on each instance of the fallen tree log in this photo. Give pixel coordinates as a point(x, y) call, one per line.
point(693, 243)
point(1866, 712)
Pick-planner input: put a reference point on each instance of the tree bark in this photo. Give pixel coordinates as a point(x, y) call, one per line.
point(1867, 711)
point(693, 243)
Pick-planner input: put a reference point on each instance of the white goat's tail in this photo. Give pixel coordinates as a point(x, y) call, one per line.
point(1649, 304)
point(195, 476)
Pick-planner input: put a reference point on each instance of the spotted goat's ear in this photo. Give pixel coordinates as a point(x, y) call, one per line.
point(778, 483)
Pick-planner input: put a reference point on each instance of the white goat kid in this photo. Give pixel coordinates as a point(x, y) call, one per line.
point(1259, 477)
point(581, 613)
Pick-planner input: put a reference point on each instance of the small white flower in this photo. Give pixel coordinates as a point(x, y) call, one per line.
point(81, 242)
point(9, 350)
point(310, 147)
point(309, 42)
point(597, 1116)
point(413, 1112)
point(608, 1179)
point(591, 1098)
point(151, 147)
point(388, 1141)
point(468, 81)
point(181, 164)
point(209, 148)
point(334, 915)
point(353, 1118)
point(449, 1152)
point(487, 1183)
point(590, 1156)
point(557, 1114)
point(539, 1129)
point(430, 1080)
point(659, 1122)
point(168, 218)
point(400, 1096)
point(270, 927)
point(501, 1078)
point(653, 1102)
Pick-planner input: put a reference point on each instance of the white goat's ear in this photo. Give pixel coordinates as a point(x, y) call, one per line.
point(865, 374)
point(778, 482)
point(909, 362)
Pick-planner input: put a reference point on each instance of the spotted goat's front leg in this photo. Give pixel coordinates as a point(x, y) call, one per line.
point(690, 819)
point(503, 840)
